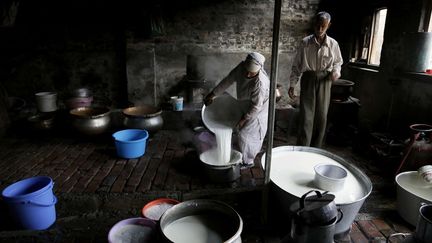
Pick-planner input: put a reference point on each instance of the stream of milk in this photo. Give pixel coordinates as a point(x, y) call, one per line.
point(223, 143)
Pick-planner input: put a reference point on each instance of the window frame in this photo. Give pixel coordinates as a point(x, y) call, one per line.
point(364, 40)
point(373, 33)
point(426, 17)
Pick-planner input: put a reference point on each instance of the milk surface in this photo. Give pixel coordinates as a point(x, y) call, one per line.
point(293, 172)
point(206, 228)
point(132, 234)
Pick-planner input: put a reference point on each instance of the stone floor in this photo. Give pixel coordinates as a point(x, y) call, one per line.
point(96, 189)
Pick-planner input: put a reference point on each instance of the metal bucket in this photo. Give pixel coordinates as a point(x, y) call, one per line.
point(304, 233)
point(284, 196)
point(417, 51)
point(222, 173)
point(411, 192)
point(46, 101)
point(215, 222)
point(424, 224)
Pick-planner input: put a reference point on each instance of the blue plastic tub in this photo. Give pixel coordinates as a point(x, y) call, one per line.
point(130, 143)
point(31, 202)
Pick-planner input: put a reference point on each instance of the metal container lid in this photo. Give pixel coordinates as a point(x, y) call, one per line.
point(315, 209)
point(313, 202)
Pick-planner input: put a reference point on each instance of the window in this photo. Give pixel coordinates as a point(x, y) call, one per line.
point(430, 24)
point(377, 36)
point(426, 25)
point(368, 46)
point(430, 30)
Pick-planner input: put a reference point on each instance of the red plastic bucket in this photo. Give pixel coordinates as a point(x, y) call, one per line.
point(154, 209)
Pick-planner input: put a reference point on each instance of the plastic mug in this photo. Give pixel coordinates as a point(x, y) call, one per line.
point(425, 172)
point(177, 103)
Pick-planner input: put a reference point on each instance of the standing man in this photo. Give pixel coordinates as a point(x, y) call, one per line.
point(252, 84)
point(318, 63)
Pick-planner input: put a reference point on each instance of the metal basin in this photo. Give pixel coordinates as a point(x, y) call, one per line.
point(292, 175)
point(91, 120)
point(221, 173)
point(143, 117)
point(412, 191)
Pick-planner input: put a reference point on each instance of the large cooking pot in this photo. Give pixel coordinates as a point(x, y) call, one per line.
point(292, 175)
point(412, 191)
point(201, 220)
point(341, 89)
point(91, 120)
point(145, 117)
point(221, 173)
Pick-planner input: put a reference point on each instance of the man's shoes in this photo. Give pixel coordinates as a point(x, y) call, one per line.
point(244, 166)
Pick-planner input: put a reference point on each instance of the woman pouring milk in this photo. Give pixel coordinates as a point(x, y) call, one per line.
point(252, 84)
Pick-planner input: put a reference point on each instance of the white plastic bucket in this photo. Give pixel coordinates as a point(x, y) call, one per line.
point(177, 103)
point(46, 101)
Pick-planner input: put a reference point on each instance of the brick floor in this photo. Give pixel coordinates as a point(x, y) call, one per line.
point(87, 171)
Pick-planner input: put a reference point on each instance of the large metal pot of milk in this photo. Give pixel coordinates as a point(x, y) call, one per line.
point(201, 220)
point(221, 173)
point(292, 175)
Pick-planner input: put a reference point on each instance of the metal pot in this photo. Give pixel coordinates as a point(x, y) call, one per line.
point(411, 192)
point(91, 120)
point(80, 93)
point(143, 117)
point(317, 209)
point(342, 89)
point(222, 173)
point(41, 121)
point(283, 196)
point(423, 231)
point(226, 223)
point(46, 101)
point(304, 233)
point(419, 149)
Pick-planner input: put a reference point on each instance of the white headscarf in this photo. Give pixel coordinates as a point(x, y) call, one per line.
point(254, 62)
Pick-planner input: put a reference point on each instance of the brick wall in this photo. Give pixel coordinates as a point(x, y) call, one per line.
point(137, 51)
point(225, 31)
